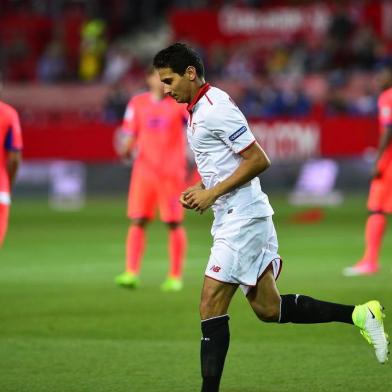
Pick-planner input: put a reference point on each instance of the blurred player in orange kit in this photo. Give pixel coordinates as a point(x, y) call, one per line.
point(380, 194)
point(152, 133)
point(10, 158)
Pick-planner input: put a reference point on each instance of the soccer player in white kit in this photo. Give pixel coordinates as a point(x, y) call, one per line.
point(245, 247)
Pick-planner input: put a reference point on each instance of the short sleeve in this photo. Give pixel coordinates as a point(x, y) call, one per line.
point(230, 125)
point(385, 113)
point(129, 124)
point(13, 141)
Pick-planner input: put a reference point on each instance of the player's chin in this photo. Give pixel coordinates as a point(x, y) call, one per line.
point(179, 100)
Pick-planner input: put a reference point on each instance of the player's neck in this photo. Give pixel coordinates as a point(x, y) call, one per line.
point(199, 83)
point(157, 95)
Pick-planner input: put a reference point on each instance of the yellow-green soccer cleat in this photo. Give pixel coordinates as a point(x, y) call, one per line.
point(369, 319)
point(172, 284)
point(128, 280)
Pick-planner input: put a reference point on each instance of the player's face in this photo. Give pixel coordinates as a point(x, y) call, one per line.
point(154, 83)
point(175, 85)
point(384, 79)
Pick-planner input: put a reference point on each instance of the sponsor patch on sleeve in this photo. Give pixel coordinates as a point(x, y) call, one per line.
point(385, 111)
point(129, 113)
point(237, 133)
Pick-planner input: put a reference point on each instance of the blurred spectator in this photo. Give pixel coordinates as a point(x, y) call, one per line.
point(240, 65)
point(118, 62)
point(364, 45)
point(51, 65)
point(92, 50)
point(341, 25)
point(31, 48)
point(115, 103)
point(19, 58)
point(364, 105)
point(216, 61)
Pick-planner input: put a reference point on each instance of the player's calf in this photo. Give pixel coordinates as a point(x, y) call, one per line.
point(214, 345)
point(267, 313)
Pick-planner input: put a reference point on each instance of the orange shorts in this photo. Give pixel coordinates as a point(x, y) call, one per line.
point(147, 192)
point(380, 195)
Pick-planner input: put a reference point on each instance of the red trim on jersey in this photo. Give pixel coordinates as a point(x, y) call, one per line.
point(250, 145)
point(209, 100)
point(203, 89)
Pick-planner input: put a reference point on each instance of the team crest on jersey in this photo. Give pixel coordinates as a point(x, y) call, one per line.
point(237, 133)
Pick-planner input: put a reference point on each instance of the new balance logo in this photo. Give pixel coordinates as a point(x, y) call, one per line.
point(215, 268)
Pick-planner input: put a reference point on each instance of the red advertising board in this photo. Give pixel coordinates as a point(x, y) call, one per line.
point(233, 24)
point(268, 25)
point(283, 140)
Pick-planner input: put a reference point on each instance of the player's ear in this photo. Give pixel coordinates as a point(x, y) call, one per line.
point(190, 72)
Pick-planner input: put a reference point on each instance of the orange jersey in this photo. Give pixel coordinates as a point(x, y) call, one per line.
point(158, 128)
point(10, 140)
point(385, 119)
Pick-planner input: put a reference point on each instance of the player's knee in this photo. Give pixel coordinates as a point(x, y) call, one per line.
point(206, 308)
point(266, 313)
point(210, 306)
point(141, 222)
point(173, 225)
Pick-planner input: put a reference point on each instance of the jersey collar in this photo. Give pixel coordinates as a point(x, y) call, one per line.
point(203, 89)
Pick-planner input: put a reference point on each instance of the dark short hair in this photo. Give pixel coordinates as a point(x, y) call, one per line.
point(179, 57)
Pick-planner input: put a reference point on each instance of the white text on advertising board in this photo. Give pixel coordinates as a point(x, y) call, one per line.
point(287, 141)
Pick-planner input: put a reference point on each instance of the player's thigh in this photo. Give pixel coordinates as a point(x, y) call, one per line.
point(215, 297)
point(380, 195)
point(264, 298)
point(142, 197)
point(170, 208)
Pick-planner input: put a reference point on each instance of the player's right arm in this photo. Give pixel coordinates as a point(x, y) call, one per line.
point(125, 136)
point(385, 142)
point(123, 143)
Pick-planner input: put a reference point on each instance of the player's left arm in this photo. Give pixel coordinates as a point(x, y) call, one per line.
point(254, 162)
point(13, 146)
point(385, 142)
point(14, 160)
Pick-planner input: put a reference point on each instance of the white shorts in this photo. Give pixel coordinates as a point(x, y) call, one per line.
point(242, 250)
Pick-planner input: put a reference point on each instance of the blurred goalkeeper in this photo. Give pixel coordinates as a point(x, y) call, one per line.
point(152, 136)
point(10, 157)
point(380, 194)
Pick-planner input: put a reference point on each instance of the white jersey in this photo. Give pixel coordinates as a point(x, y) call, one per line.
point(217, 133)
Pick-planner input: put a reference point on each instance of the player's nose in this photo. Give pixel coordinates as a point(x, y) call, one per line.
point(167, 89)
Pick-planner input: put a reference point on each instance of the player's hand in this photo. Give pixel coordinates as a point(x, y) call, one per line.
point(191, 188)
point(199, 199)
point(122, 143)
point(184, 203)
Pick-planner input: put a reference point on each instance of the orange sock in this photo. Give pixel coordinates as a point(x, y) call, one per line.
point(177, 248)
point(134, 248)
point(4, 212)
point(374, 232)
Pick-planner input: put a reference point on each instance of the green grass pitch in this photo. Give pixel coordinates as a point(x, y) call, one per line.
point(65, 326)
